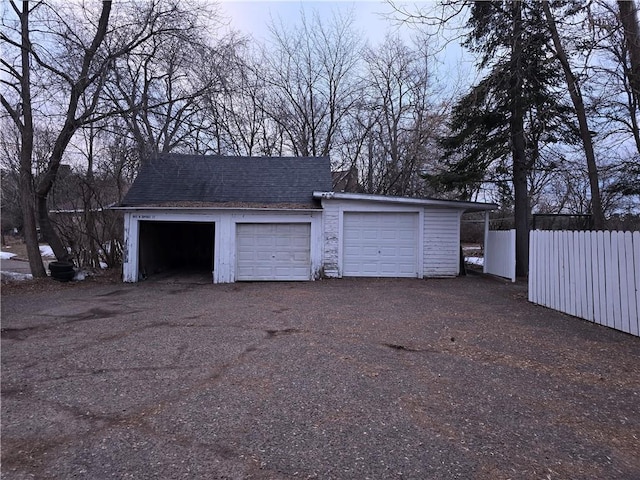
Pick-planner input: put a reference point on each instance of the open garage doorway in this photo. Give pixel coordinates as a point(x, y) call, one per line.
point(177, 250)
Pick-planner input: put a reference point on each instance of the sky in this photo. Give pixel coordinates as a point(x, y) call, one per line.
point(453, 66)
point(254, 16)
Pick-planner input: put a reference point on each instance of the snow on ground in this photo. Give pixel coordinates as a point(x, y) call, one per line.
point(45, 251)
point(15, 276)
point(475, 260)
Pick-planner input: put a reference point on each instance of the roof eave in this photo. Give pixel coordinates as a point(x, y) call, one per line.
point(257, 209)
point(466, 206)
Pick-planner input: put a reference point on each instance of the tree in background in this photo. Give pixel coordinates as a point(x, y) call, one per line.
point(310, 72)
point(17, 101)
point(59, 77)
point(499, 129)
point(615, 93)
point(160, 86)
point(575, 92)
point(394, 125)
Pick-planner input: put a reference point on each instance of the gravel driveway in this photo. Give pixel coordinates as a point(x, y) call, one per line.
point(339, 379)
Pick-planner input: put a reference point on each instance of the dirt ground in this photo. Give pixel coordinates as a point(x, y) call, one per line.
point(341, 379)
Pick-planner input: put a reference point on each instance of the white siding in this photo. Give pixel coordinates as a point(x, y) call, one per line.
point(438, 241)
point(441, 242)
point(331, 240)
point(130, 256)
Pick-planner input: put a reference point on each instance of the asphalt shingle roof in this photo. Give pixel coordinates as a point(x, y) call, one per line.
point(173, 179)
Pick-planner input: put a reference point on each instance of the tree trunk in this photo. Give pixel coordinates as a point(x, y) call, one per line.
point(28, 214)
point(518, 147)
point(43, 189)
point(69, 128)
point(49, 234)
point(629, 20)
point(585, 134)
point(26, 151)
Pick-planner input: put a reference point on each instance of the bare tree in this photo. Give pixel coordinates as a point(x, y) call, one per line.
point(19, 83)
point(161, 86)
point(310, 81)
point(398, 119)
point(629, 20)
point(238, 114)
point(73, 59)
point(578, 103)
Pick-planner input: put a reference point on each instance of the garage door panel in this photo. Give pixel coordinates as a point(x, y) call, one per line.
point(276, 251)
point(380, 244)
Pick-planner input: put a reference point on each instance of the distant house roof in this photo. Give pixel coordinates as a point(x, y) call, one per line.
point(201, 181)
point(346, 180)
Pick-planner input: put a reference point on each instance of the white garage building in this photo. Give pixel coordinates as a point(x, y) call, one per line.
point(276, 218)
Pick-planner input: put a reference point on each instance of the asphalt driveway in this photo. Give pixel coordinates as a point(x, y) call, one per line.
point(344, 379)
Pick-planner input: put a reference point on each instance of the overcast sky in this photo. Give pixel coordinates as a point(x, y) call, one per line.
point(374, 19)
point(254, 16)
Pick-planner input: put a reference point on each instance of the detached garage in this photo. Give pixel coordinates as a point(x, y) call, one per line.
point(276, 218)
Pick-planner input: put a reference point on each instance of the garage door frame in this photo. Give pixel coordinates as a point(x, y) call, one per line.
point(419, 236)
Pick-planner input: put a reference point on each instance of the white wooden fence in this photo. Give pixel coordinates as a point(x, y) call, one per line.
point(591, 275)
point(500, 253)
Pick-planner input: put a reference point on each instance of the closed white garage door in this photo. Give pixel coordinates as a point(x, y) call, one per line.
point(273, 251)
point(380, 244)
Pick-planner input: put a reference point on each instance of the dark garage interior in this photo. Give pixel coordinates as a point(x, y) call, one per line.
point(176, 248)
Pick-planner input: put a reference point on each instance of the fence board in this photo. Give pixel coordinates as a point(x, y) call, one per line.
point(556, 269)
point(594, 260)
point(602, 292)
point(543, 281)
point(624, 288)
point(635, 240)
point(609, 318)
point(568, 263)
point(532, 255)
point(614, 291)
point(500, 254)
point(588, 276)
point(565, 301)
point(591, 275)
point(541, 250)
point(574, 268)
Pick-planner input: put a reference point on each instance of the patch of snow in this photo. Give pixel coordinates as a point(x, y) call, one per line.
point(46, 251)
point(103, 265)
point(475, 261)
point(6, 255)
point(15, 276)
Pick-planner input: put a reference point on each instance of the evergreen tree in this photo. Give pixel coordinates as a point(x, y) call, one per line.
point(499, 128)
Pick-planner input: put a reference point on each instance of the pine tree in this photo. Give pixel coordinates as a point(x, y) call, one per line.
point(497, 129)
